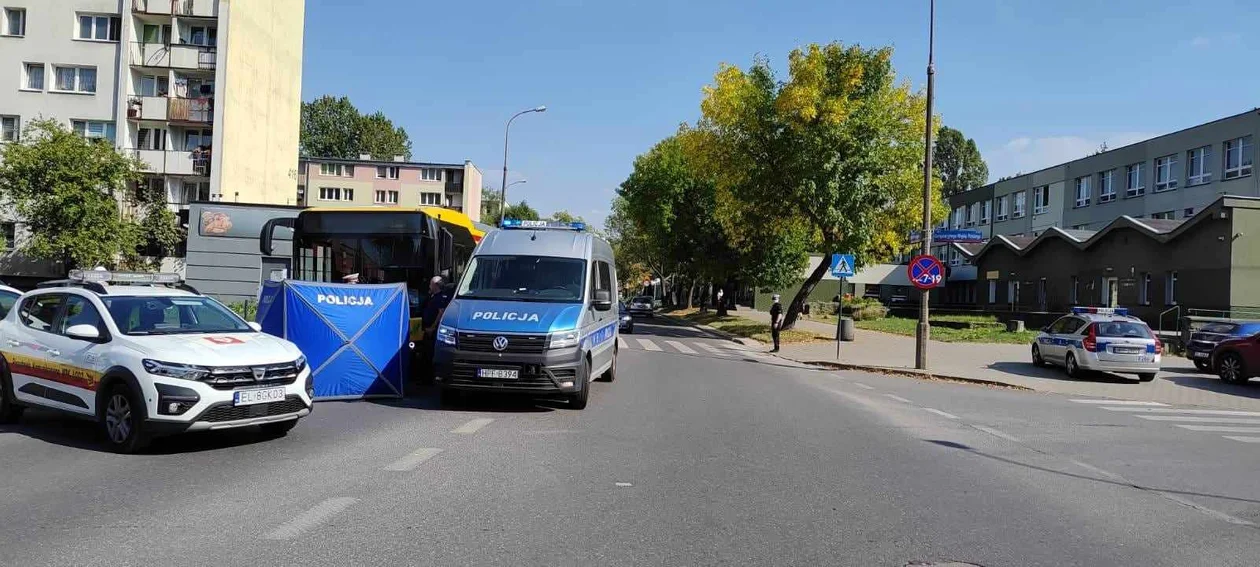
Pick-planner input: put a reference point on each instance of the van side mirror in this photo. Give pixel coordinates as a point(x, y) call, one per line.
point(602, 301)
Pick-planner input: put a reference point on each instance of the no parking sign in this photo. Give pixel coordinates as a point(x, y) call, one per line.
point(926, 272)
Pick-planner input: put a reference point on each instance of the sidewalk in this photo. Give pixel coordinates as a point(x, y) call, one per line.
point(1178, 384)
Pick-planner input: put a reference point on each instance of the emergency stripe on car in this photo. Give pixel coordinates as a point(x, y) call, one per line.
point(54, 371)
point(600, 335)
point(1058, 341)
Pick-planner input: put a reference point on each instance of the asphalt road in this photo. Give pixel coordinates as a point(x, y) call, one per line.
point(699, 454)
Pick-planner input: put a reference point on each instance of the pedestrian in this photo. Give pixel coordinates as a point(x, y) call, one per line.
point(351, 278)
point(430, 317)
point(776, 320)
point(719, 303)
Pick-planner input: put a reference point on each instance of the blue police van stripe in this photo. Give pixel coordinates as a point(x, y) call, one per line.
point(600, 335)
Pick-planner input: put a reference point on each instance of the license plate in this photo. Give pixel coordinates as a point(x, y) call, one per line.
point(1127, 350)
point(1201, 354)
point(498, 373)
point(251, 397)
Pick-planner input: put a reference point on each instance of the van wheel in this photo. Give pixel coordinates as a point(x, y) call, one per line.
point(578, 401)
point(1146, 377)
point(10, 411)
point(122, 420)
point(611, 374)
point(1230, 368)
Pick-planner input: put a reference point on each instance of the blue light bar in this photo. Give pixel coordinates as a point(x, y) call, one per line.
point(536, 224)
point(1122, 311)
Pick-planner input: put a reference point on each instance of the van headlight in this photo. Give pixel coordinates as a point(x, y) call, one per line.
point(300, 364)
point(563, 339)
point(446, 335)
point(173, 370)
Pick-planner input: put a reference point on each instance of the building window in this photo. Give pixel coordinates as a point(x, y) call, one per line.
point(201, 35)
point(35, 76)
point(8, 231)
point(1133, 186)
point(194, 191)
point(384, 197)
point(386, 172)
point(1041, 199)
point(430, 174)
point(153, 33)
point(431, 199)
point(971, 214)
point(336, 194)
point(1083, 192)
point(75, 79)
point(15, 22)
point(1106, 186)
point(1021, 199)
point(1076, 290)
point(9, 128)
point(1189, 212)
point(1166, 173)
point(1164, 215)
point(1198, 160)
point(151, 139)
point(992, 291)
point(1002, 203)
point(154, 85)
point(985, 209)
point(197, 138)
point(953, 257)
point(94, 129)
point(958, 217)
point(99, 28)
point(1170, 288)
point(1144, 289)
point(1238, 157)
point(336, 170)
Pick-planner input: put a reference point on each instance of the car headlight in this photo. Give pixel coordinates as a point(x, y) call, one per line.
point(173, 370)
point(625, 317)
point(446, 335)
point(300, 363)
point(563, 339)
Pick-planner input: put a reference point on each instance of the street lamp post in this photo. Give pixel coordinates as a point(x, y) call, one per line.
point(503, 193)
point(503, 206)
point(923, 330)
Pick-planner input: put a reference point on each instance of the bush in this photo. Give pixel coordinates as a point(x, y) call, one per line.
point(868, 312)
point(246, 309)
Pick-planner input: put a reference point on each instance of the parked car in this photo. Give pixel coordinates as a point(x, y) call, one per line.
point(641, 306)
point(1099, 339)
point(1204, 341)
point(1237, 359)
point(623, 315)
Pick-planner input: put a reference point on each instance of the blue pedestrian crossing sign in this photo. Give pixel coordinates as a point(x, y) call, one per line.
point(842, 265)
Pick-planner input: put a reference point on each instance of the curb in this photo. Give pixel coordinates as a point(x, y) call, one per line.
point(715, 332)
point(912, 373)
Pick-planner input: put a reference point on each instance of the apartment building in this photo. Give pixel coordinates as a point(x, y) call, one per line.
point(367, 182)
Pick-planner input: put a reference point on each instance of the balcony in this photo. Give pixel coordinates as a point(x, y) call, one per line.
point(164, 7)
point(172, 109)
point(175, 162)
point(174, 56)
point(184, 8)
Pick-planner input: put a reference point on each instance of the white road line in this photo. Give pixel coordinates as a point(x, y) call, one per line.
point(410, 462)
point(1242, 439)
point(681, 347)
point(1188, 411)
point(733, 346)
point(1221, 428)
point(648, 345)
point(1119, 403)
point(863, 386)
point(621, 343)
point(1096, 470)
point(995, 433)
point(714, 350)
point(898, 398)
point(941, 413)
point(311, 518)
point(1194, 419)
point(473, 425)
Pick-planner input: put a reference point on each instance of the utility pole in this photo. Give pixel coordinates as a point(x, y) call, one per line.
point(923, 331)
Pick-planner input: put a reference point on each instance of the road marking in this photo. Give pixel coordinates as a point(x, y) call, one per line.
point(623, 484)
point(681, 347)
point(1243, 439)
point(1119, 403)
point(1188, 411)
point(473, 425)
point(1221, 428)
point(863, 386)
point(940, 413)
point(311, 518)
point(1096, 470)
point(648, 345)
point(995, 433)
point(735, 347)
point(413, 460)
point(713, 349)
point(898, 398)
point(1194, 419)
point(621, 343)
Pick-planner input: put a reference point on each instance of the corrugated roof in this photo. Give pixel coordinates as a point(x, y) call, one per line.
point(1020, 241)
point(1162, 226)
point(1079, 234)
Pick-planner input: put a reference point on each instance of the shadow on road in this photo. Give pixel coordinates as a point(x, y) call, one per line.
point(1057, 373)
point(59, 429)
point(1213, 384)
point(427, 397)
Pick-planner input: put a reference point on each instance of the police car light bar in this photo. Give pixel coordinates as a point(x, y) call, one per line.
point(1122, 311)
point(106, 276)
point(519, 223)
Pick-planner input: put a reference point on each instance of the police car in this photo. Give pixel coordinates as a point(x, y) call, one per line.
point(1099, 339)
point(144, 358)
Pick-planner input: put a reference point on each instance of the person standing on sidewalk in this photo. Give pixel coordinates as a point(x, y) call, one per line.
point(776, 321)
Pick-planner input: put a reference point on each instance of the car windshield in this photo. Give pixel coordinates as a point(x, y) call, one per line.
point(524, 278)
point(172, 315)
point(1123, 329)
point(643, 299)
point(1219, 328)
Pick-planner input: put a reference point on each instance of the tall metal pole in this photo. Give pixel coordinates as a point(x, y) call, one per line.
point(506, 129)
point(923, 330)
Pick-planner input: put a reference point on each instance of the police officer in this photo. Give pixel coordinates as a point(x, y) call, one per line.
point(776, 321)
point(430, 316)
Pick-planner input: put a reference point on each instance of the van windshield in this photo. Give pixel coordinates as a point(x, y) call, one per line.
point(524, 278)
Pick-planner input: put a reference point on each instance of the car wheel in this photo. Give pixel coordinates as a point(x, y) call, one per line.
point(1146, 377)
point(1036, 356)
point(1230, 368)
point(611, 374)
point(1202, 365)
point(10, 410)
point(1073, 370)
point(278, 428)
point(122, 421)
point(578, 401)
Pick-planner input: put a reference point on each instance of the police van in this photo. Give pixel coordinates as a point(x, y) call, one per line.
point(533, 314)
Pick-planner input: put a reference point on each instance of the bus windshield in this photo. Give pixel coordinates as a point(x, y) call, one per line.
point(524, 278)
point(377, 259)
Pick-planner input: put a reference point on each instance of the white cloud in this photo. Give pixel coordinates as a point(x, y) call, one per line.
point(1200, 41)
point(1026, 154)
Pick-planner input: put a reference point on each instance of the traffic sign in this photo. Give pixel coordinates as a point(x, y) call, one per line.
point(926, 272)
point(842, 265)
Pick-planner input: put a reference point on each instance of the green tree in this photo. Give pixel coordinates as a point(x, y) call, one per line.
point(68, 190)
point(521, 211)
point(829, 160)
point(958, 162)
point(566, 216)
point(378, 136)
point(490, 205)
point(333, 127)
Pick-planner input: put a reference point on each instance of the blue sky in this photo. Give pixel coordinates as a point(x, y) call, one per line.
point(1034, 82)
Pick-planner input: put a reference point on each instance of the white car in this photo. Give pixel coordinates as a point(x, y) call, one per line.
point(146, 360)
point(1099, 339)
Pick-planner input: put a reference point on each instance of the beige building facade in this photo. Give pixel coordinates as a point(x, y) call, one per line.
point(331, 182)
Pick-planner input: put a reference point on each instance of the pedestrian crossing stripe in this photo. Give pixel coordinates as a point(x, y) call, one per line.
point(680, 347)
point(649, 345)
